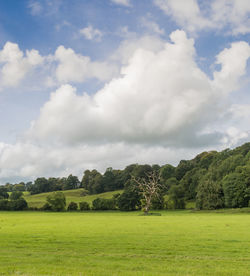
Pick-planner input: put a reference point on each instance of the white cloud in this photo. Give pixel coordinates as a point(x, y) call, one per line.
point(159, 109)
point(35, 7)
point(62, 67)
point(231, 16)
point(162, 97)
point(74, 67)
point(91, 33)
point(233, 136)
point(129, 46)
point(234, 14)
point(122, 2)
point(27, 161)
point(233, 65)
point(152, 26)
point(187, 13)
point(14, 66)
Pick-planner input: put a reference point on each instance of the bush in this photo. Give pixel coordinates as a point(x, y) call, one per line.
point(3, 193)
point(46, 207)
point(103, 204)
point(4, 204)
point(72, 206)
point(17, 205)
point(129, 201)
point(57, 201)
point(84, 206)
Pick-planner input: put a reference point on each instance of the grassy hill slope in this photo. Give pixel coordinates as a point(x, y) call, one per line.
point(38, 200)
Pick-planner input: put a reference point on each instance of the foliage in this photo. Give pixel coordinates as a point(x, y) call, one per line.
point(16, 195)
point(13, 205)
point(183, 167)
point(191, 180)
point(57, 201)
point(103, 204)
point(71, 182)
point(177, 196)
point(3, 193)
point(17, 205)
point(46, 207)
point(236, 190)
point(157, 202)
point(129, 200)
point(84, 206)
point(72, 206)
point(4, 204)
point(209, 194)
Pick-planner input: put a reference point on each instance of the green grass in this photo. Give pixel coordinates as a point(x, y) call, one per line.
point(38, 200)
point(116, 243)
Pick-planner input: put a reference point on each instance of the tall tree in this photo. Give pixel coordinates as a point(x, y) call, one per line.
point(149, 188)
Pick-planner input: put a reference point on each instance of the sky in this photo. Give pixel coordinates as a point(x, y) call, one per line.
point(90, 84)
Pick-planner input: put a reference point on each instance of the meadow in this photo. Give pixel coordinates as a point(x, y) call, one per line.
point(38, 200)
point(125, 243)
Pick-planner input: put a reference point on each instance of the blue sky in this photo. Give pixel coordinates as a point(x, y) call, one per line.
point(100, 83)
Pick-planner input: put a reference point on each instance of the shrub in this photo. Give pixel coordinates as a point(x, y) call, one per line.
point(72, 206)
point(129, 201)
point(57, 201)
point(103, 204)
point(17, 205)
point(46, 207)
point(84, 206)
point(3, 193)
point(3, 204)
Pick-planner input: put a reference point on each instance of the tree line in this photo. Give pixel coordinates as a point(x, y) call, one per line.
point(212, 179)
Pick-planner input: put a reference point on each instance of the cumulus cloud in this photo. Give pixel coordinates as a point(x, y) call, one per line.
point(91, 33)
point(162, 97)
point(131, 44)
point(152, 26)
point(64, 66)
point(74, 67)
point(159, 108)
point(233, 62)
point(14, 65)
point(234, 14)
point(187, 13)
point(231, 16)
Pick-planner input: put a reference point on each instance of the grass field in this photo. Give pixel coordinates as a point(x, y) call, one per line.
point(116, 243)
point(38, 200)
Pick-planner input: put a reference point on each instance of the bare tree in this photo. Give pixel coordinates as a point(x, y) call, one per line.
point(149, 188)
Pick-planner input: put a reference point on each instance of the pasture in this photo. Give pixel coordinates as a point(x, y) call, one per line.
point(38, 200)
point(117, 243)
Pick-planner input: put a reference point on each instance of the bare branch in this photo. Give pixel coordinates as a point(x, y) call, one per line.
point(149, 188)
